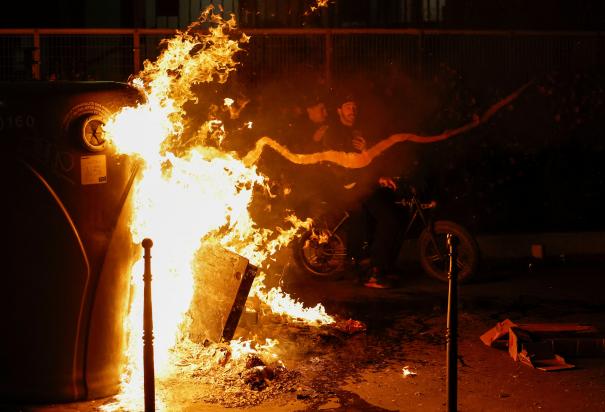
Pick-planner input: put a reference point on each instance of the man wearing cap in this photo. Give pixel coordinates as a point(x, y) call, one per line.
point(343, 134)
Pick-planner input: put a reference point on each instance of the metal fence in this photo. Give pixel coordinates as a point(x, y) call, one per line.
point(480, 56)
point(540, 171)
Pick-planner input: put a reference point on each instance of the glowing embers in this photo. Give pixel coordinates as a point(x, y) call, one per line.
point(316, 6)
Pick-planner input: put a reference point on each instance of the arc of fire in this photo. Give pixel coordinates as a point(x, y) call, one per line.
point(352, 160)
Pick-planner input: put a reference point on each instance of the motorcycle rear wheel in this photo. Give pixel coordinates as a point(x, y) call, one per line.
point(434, 258)
point(321, 254)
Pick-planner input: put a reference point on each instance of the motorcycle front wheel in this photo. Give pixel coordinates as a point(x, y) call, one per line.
point(321, 253)
point(433, 249)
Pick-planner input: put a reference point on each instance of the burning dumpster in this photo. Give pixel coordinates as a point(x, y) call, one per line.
point(67, 247)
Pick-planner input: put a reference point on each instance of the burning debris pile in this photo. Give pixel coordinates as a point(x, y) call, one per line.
point(245, 373)
point(235, 375)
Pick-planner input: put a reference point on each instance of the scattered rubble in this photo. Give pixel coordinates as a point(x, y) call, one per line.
point(213, 374)
point(217, 373)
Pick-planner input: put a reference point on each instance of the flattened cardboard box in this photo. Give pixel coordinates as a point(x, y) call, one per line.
point(543, 345)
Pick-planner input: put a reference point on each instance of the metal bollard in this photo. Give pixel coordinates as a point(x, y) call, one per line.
point(148, 367)
point(452, 325)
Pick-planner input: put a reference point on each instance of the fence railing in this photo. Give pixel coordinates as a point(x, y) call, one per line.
point(483, 56)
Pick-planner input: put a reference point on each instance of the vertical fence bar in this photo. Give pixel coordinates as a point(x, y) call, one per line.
point(419, 53)
point(36, 56)
point(427, 15)
point(329, 54)
point(136, 51)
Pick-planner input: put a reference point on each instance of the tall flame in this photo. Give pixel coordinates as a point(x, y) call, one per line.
point(187, 192)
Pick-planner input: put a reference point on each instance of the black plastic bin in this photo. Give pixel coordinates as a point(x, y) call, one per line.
point(66, 250)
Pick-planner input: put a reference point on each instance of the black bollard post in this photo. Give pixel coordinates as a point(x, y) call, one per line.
point(148, 367)
point(452, 326)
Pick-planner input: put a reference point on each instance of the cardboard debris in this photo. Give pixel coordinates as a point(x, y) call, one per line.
point(350, 326)
point(543, 345)
point(523, 348)
point(500, 331)
point(222, 281)
point(498, 335)
point(556, 363)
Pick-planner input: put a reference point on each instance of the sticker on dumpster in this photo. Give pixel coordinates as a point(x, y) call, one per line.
point(94, 169)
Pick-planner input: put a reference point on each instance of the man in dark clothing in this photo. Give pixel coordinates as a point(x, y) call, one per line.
point(384, 219)
point(305, 135)
point(372, 215)
point(343, 134)
point(341, 185)
point(367, 194)
point(375, 221)
point(317, 119)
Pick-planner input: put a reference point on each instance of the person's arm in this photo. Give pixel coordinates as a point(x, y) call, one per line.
point(320, 133)
point(359, 142)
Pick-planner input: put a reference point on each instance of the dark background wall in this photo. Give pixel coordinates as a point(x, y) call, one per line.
point(497, 14)
point(534, 167)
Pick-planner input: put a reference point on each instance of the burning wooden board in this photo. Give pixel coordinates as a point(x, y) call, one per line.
point(222, 281)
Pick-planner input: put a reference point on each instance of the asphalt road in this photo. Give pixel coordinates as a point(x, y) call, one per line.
point(406, 330)
point(489, 379)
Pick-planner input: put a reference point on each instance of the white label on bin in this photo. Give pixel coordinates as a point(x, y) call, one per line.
point(94, 169)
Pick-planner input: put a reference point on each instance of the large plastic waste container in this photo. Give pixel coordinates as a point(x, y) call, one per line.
point(66, 248)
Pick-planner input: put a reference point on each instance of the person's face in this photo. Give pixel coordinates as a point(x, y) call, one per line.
point(347, 113)
point(317, 113)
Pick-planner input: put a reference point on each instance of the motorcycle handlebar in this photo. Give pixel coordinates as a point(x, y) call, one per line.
point(410, 202)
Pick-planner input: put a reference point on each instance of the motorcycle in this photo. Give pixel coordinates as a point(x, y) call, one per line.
point(322, 250)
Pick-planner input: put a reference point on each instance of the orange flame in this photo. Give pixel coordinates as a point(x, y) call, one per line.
point(281, 303)
point(201, 194)
point(316, 6)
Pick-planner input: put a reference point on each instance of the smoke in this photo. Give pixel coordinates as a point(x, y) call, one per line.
point(399, 117)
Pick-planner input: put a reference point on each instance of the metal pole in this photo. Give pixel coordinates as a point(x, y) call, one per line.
point(419, 54)
point(148, 369)
point(452, 326)
point(328, 58)
point(36, 56)
point(136, 52)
